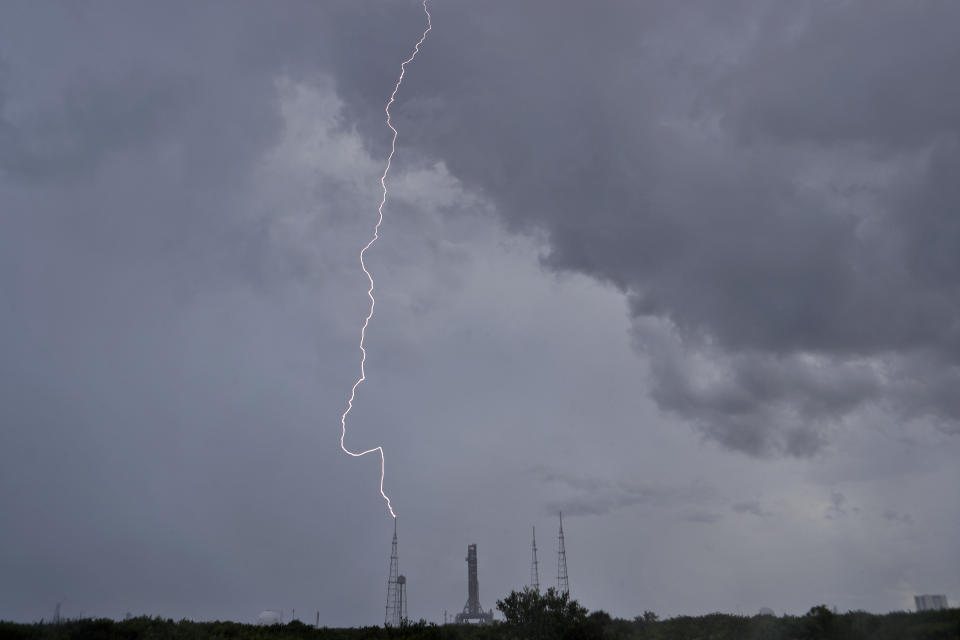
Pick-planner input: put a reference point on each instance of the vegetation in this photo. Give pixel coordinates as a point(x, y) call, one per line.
point(532, 616)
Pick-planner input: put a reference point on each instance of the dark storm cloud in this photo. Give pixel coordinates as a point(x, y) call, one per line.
point(759, 402)
point(771, 182)
point(854, 73)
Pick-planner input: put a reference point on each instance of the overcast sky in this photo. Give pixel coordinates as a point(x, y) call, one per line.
point(688, 272)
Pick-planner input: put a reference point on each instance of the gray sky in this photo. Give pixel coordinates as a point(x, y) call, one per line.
point(687, 272)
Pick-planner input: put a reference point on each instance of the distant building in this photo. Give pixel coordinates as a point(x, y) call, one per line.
point(930, 603)
point(766, 611)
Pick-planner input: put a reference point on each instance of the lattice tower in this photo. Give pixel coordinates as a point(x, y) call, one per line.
point(534, 566)
point(563, 584)
point(394, 613)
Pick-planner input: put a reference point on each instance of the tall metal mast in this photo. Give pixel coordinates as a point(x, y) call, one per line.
point(563, 585)
point(394, 611)
point(534, 567)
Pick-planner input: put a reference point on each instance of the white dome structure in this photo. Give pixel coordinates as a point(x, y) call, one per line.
point(270, 617)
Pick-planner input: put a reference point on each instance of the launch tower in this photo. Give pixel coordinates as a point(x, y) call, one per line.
point(472, 611)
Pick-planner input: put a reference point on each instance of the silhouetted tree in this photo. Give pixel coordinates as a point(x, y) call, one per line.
point(819, 623)
point(543, 616)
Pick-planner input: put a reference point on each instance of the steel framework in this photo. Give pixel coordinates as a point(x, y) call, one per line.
point(472, 610)
point(534, 565)
point(396, 588)
point(563, 584)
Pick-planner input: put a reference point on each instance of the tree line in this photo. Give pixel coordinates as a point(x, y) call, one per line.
point(530, 615)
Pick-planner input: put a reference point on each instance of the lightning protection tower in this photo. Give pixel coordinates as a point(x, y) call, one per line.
point(563, 585)
point(396, 588)
point(472, 610)
point(534, 566)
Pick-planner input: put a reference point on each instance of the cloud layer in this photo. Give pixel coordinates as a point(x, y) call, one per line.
point(771, 188)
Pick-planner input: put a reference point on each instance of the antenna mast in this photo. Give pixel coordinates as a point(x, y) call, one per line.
point(534, 566)
point(563, 584)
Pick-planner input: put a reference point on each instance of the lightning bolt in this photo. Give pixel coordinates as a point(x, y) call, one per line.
point(376, 236)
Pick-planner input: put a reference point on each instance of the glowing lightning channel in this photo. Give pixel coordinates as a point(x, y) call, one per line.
point(376, 235)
